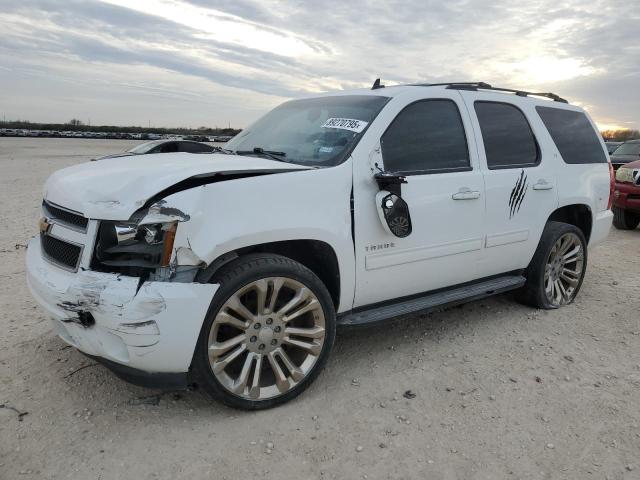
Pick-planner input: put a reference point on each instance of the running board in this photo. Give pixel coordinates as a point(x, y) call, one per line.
point(431, 301)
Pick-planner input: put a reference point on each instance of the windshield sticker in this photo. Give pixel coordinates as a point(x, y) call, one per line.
point(325, 149)
point(345, 124)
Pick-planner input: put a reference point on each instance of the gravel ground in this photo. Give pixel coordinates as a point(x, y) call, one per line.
point(501, 390)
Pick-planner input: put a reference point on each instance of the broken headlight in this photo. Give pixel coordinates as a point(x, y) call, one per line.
point(134, 248)
point(624, 175)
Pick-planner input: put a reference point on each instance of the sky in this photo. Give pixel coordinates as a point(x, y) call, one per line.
point(192, 63)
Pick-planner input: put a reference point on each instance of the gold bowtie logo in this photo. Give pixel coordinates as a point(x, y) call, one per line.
point(44, 224)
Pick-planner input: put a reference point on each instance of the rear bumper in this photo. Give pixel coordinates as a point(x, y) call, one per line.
point(627, 197)
point(152, 328)
point(601, 226)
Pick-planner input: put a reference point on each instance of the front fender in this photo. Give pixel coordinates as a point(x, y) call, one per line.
point(234, 214)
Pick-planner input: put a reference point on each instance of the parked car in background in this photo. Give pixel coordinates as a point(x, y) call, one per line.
point(626, 203)
point(625, 153)
point(164, 146)
point(197, 138)
point(611, 146)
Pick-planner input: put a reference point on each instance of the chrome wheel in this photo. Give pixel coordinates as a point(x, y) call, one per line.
point(564, 269)
point(266, 338)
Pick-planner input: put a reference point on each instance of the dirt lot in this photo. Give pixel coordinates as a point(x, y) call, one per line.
point(502, 391)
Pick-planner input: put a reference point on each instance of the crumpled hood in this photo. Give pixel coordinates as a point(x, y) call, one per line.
point(115, 189)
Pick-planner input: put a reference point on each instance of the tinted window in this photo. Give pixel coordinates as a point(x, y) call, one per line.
point(168, 147)
point(194, 147)
point(507, 136)
point(573, 135)
point(427, 136)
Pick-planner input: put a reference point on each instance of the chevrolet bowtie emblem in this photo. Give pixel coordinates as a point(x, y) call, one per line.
point(44, 225)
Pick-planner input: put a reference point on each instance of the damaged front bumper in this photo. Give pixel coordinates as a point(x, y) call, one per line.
point(140, 331)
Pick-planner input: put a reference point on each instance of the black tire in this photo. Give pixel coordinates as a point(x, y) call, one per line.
point(232, 277)
point(533, 292)
point(625, 220)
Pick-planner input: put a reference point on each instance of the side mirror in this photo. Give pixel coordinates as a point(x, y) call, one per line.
point(392, 209)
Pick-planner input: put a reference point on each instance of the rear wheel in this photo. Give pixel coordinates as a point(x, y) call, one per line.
point(268, 332)
point(625, 220)
point(557, 269)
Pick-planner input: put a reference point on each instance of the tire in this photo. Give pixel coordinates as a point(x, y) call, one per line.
point(548, 266)
point(625, 220)
point(277, 341)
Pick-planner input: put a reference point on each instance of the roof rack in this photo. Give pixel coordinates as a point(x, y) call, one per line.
point(485, 86)
point(479, 86)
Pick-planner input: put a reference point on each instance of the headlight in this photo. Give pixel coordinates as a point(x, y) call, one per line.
point(133, 248)
point(624, 175)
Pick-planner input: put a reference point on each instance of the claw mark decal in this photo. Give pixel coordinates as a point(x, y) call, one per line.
point(517, 194)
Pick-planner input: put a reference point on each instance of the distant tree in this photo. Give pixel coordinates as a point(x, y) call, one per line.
point(621, 135)
point(75, 122)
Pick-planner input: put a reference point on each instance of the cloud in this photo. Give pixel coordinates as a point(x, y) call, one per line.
point(250, 55)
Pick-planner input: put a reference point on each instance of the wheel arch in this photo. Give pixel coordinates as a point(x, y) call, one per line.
point(577, 214)
point(318, 256)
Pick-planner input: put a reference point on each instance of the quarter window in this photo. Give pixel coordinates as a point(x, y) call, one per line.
point(426, 137)
point(507, 136)
point(573, 135)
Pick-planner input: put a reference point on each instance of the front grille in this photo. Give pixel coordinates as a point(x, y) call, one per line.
point(65, 217)
point(66, 255)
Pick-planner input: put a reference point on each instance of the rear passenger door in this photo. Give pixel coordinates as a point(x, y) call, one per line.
point(519, 175)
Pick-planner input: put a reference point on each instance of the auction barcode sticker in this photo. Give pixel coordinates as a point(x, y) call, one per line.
point(345, 124)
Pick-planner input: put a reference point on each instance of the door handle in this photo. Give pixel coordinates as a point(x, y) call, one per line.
point(466, 194)
point(542, 185)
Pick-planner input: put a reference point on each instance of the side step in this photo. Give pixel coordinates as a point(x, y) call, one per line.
point(431, 301)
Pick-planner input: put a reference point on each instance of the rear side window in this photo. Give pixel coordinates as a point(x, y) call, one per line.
point(507, 136)
point(573, 135)
point(426, 137)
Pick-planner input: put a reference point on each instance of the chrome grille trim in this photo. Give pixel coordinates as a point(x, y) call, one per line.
point(64, 216)
point(49, 255)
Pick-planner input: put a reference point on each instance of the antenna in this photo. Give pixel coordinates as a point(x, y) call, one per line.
point(377, 84)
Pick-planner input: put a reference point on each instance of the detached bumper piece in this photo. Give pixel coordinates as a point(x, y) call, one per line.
point(163, 381)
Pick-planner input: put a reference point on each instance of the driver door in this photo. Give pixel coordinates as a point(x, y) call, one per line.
point(428, 141)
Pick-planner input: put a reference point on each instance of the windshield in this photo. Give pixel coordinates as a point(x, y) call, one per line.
point(144, 147)
point(317, 131)
point(628, 149)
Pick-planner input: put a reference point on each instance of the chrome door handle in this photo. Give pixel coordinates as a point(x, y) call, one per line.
point(542, 185)
point(466, 194)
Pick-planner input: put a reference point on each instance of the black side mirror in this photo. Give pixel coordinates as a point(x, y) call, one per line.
point(393, 208)
point(396, 214)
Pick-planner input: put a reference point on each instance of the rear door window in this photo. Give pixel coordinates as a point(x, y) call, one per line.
point(507, 136)
point(575, 138)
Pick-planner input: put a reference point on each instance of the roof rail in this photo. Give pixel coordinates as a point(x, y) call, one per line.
point(485, 86)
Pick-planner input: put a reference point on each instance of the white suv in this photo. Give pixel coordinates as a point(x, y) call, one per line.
point(232, 270)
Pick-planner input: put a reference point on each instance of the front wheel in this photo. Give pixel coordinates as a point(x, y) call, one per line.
point(557, 269)
point(267, 334)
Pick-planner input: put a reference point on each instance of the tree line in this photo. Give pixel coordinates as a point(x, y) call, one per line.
point(75, 125)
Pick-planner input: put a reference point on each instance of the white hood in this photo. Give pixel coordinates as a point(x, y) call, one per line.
point(113, 189)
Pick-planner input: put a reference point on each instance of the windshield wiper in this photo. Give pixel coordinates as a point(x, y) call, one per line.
point(278, 156)
point(222, 150)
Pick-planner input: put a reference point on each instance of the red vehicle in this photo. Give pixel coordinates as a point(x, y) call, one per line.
point(626, 204)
